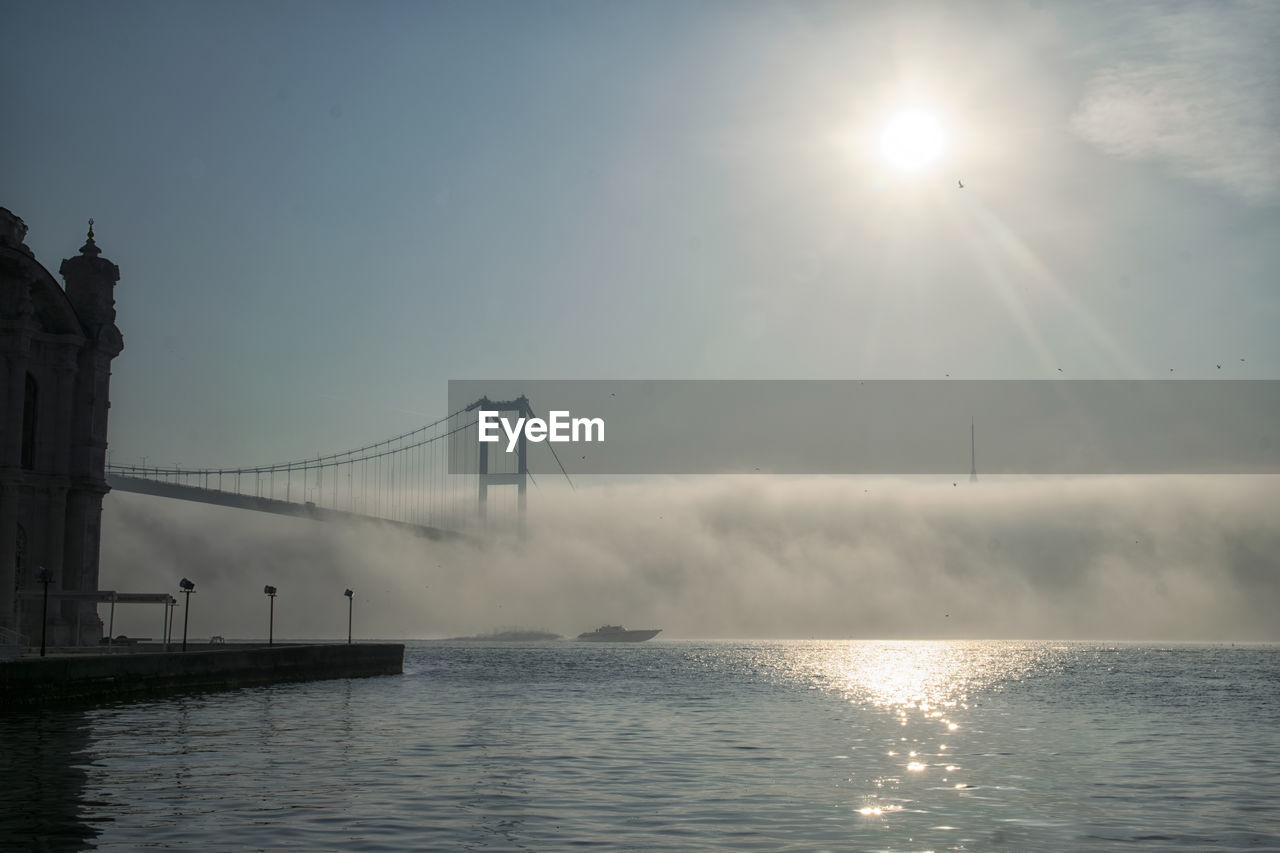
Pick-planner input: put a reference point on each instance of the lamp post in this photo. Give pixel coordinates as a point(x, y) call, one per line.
point(45, 578)
point(271, 619)
point(187, 588)
point(350, 598)
point(168, 631)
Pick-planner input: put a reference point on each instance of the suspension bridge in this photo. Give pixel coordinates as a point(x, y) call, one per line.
point(434, 480)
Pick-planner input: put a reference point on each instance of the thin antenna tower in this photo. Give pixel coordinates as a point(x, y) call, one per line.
point(973, 454)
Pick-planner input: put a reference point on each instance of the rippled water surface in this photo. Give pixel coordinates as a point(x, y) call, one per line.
point(680, 746)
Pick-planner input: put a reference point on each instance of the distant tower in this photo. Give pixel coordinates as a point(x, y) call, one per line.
point(973, 454)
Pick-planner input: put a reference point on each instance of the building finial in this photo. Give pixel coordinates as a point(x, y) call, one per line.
point(90, 247)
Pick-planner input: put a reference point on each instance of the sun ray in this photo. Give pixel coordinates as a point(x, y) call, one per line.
point(999, 250)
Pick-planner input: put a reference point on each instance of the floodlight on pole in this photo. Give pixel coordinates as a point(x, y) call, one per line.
point(188, 587)
point(351, 596)
point(168, 633)
point(45, 578)
point(271, 619)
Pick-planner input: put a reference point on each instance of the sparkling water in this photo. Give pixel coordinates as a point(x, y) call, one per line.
point(672, 745)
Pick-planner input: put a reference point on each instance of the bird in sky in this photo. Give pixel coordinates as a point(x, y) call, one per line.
point(961, 183)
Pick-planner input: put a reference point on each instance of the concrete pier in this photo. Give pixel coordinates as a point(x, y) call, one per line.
point(29, 682)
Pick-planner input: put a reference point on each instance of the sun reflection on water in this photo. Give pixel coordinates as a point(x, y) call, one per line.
point(910, 697)
point(929, 680)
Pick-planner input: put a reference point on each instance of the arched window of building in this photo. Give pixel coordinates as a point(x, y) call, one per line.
point(29, 424)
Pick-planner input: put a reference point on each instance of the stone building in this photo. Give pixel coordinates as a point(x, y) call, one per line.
point(56, 348)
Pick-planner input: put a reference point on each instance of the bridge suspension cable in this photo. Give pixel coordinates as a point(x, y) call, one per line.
point(418, 477)
point(358, 454)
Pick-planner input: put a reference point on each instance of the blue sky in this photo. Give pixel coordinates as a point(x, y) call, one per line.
point(324, 211)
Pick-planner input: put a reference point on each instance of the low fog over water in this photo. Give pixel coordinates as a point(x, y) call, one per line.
point(1158, 558)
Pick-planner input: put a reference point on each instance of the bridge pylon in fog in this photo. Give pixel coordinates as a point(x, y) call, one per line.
point(518, 478)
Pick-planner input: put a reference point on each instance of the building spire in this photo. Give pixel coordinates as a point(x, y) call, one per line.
point(90, 248)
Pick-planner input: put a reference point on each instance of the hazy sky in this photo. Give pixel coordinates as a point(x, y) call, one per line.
point(324, 211)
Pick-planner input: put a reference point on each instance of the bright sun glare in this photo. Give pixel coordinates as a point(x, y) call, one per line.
point(912, 140)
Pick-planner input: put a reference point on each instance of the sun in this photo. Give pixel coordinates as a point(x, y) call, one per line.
point(912, 140)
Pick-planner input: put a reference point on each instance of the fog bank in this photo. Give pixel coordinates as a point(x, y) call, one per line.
point(1159, 558)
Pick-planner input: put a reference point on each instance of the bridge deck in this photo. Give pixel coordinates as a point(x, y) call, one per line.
point(142, 486)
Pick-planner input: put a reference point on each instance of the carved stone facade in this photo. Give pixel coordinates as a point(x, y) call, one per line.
point(56, 348)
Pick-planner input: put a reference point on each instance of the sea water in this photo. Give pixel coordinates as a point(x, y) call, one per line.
point(673, 745)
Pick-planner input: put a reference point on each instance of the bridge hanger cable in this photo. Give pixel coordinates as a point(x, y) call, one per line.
point(298, 463)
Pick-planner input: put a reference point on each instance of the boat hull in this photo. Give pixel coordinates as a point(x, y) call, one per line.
point(638, 636)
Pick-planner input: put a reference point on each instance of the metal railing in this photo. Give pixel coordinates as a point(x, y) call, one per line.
point(12, 643)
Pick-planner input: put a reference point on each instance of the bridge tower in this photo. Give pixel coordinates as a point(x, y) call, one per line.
point(520, 477)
